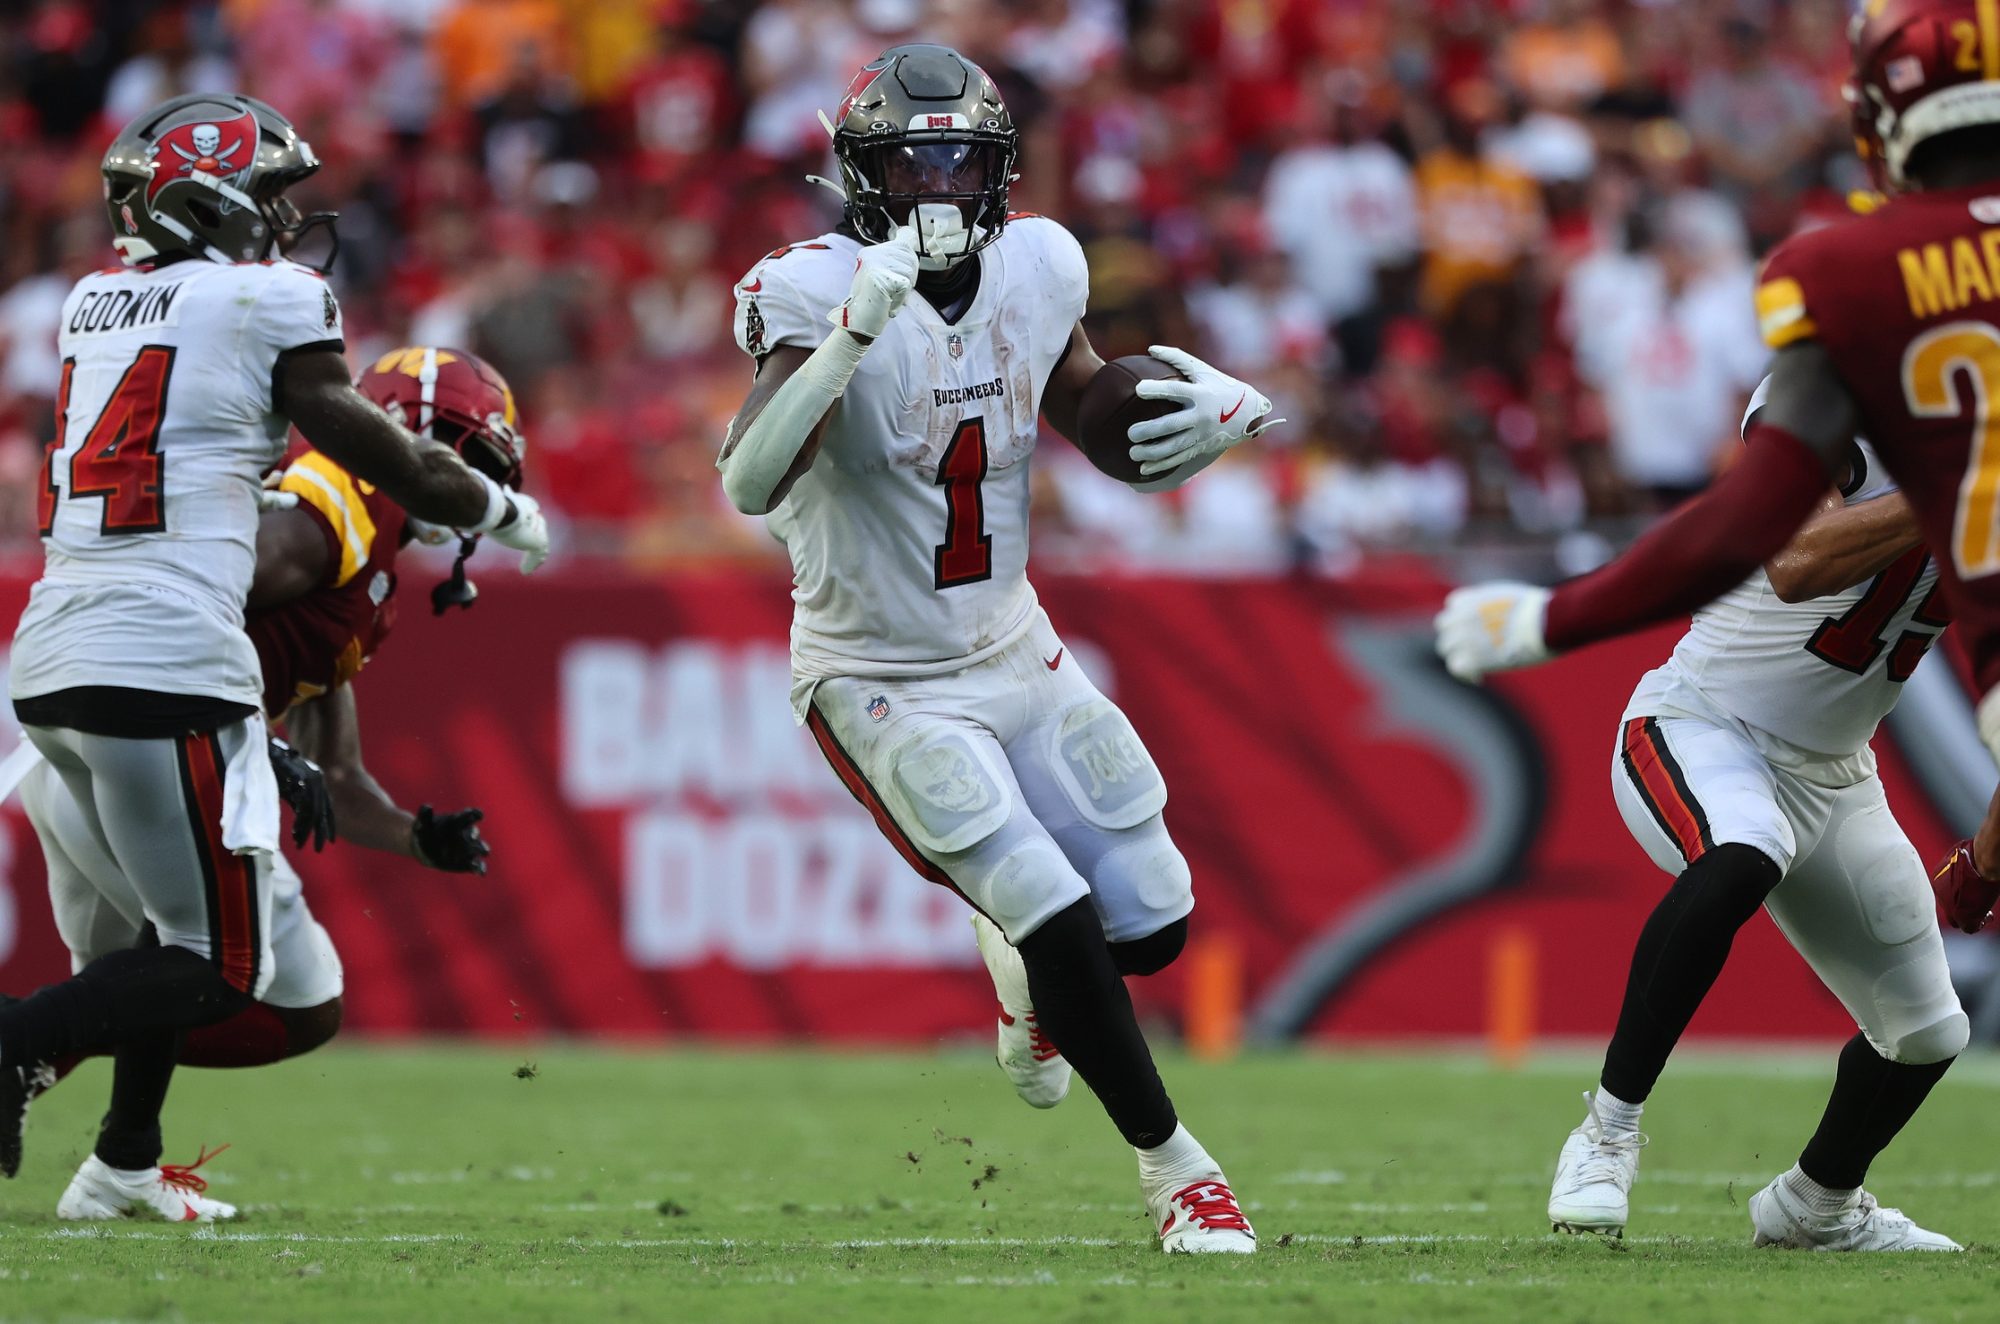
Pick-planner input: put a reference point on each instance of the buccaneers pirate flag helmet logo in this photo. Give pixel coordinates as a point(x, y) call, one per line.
point(205, 176)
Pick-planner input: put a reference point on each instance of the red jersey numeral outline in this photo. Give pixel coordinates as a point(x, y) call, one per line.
point(45, 492)
point(966, 554)
point(120, 459)
point(1853, 641)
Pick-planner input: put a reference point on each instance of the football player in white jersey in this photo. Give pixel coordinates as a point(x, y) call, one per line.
point(888, 436)
point(1743, 767)
point(132, 675)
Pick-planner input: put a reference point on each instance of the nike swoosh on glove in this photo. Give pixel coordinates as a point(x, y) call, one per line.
point(884, 275)
point(527, 533)
point(1217, 412)
point(1492, 627)
point(1965, 898)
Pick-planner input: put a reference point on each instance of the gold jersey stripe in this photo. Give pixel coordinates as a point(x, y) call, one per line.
point(330, 490)
point(1781, 312)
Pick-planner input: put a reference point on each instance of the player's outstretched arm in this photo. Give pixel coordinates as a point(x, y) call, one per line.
point(775, 436)
point(327, 730)
point(1795, 448)
point(1842, 546)
point(428, 480)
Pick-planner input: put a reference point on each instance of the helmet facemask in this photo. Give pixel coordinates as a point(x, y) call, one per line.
point(290, 231)
point(952, 190)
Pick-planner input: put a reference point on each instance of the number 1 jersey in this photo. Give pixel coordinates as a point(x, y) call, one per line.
point(165, 426)
point(909, 534)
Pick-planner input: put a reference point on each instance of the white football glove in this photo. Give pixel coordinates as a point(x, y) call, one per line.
point(1492, 627)
point(884, 274)
point(269, 498)
point(1219, 412)
point(527, 533)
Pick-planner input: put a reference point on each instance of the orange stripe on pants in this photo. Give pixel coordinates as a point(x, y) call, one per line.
point(1647, 760)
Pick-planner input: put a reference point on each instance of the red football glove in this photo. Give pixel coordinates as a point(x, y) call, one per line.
point(1965, 899)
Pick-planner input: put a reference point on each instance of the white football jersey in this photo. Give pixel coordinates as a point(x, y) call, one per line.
point(909, 534)
point(1818, 676)
point(149, 502)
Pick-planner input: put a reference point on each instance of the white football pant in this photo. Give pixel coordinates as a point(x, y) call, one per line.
point(99, 910)
point(1015, 782)
point(1855, 900)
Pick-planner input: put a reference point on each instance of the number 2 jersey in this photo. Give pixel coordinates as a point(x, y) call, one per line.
point(909, 533)
point(148, 506)
point(1906, 303)
point(1811, 680)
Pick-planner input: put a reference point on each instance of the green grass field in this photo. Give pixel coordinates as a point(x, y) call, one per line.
point(431, 1183)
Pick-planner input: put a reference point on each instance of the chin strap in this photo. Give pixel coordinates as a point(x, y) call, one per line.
point(457, 591)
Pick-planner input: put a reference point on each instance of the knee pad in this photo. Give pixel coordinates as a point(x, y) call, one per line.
point(950, 795)
point(1940, 1041)
point(1020, 887)
point(1142, 884)
point(1103, 768)
point(1914, 1014)
point(1154, 952)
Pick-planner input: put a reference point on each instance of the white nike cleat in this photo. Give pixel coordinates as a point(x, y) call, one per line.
point(1594, 1175)
point(1781, 1218)
point(171, 1191)
point(1200, 1217)
point(1034, 1065)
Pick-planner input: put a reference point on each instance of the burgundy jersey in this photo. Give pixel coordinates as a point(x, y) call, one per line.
point(319, 641)
point(1906, 300)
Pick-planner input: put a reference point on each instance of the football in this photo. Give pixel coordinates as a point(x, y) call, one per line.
point(1112, 404)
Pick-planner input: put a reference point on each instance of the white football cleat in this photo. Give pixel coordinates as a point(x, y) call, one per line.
point(1200, 1217)
point(1034, 1065)
point(1782, 1219)
point(171, 1191)
point(1594, 1175)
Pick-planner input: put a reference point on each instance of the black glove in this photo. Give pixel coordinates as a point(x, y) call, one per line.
point(302, 786)
point(451, 843)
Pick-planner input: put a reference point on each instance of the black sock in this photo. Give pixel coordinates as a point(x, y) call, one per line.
point(1873, 1099)
point(141, 1069)
point(1153, 953)
point(1681, 951)
point(117, 996)
point(1085, 1011)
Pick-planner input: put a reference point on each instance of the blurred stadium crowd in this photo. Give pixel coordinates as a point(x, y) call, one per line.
point(1493, 258)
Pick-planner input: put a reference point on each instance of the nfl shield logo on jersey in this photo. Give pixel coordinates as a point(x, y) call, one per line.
point(955, 343)
point(878, 708)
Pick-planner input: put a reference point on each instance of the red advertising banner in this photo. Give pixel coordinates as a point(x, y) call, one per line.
point(673, 857)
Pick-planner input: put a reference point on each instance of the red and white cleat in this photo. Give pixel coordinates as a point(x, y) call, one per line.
point(171, 1191)
point(1201, 1218)
point(1033, 1064)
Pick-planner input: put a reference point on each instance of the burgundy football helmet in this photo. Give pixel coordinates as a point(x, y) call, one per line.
point(458, 400)
point(454, 398)
point(1921, 68)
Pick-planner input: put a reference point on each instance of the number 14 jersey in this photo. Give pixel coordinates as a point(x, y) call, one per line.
point(909, 534)
point(148, 500)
